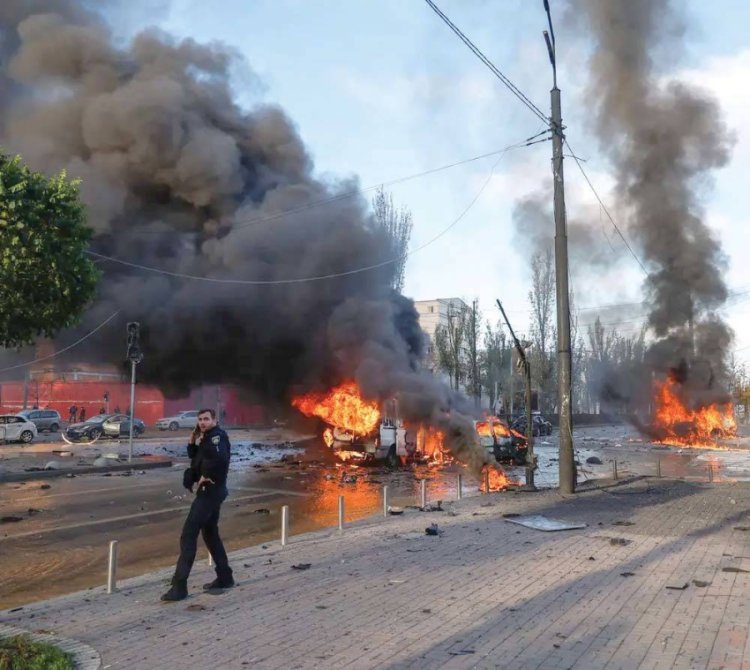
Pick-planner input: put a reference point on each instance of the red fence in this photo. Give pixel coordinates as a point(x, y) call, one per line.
point(150, 404)
point(61, 395)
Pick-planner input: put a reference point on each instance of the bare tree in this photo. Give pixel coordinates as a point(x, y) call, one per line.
point(542, 301)
point(473, 326)
point(494, 363)
point(450, 344)
point(397, 224)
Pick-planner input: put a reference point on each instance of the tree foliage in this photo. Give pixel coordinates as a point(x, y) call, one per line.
point(46, 280)
point(397, 225)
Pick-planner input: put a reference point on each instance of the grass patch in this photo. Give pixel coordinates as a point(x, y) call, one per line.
point(23, 653)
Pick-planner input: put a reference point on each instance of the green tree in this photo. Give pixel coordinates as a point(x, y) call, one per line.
point(46, 280)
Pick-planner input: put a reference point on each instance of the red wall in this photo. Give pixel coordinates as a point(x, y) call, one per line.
point(238, 411)
point(60, 395)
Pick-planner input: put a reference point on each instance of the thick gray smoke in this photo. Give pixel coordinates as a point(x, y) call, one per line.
point(534, 222)
point(663, 138)
point(177, 176)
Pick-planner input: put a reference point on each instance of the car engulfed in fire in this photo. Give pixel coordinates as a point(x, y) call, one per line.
point(502, 442)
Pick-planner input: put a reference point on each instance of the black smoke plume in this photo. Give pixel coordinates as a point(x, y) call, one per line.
point(663, 138)
point(177, 176)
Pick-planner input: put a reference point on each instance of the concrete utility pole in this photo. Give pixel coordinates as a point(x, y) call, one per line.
point(530, 461)
point(567, 459)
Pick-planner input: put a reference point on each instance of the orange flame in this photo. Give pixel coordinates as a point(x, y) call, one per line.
point(431, 444)
point(675, 423)
point(342, 407)
point(495, 477)
point(328, 437)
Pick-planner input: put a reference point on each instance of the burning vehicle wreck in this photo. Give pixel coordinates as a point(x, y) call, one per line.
point(674, 422)
point(369, 432)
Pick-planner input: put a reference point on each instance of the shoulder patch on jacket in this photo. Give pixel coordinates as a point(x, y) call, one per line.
point(216, 439)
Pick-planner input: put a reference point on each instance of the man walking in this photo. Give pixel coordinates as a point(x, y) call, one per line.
point(208, 450)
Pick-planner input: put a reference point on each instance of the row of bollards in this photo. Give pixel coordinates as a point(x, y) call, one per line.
point(112, 562)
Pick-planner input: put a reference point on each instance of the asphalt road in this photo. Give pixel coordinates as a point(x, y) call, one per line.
point(60, 544)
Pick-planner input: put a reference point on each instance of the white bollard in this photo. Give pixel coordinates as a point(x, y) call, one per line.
point(424, 493)
point(385, 501)
point(112, 567)
point(614, 469)
point(284, 525)
point(341, 512)
point(459, 487)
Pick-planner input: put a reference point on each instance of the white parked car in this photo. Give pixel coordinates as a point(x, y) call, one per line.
point(187, 419)
point(16, 429)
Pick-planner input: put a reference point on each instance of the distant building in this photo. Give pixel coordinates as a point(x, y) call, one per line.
point(434, 313)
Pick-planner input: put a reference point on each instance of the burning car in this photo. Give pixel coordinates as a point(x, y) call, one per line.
point(504, 443)
point(674, 422)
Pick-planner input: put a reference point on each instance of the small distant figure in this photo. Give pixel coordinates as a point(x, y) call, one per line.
point(72, 413)
point(117, 409)
point(82, 415)
point(102, 411)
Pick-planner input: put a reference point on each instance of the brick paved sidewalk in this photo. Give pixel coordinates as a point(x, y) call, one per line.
point(484, 594)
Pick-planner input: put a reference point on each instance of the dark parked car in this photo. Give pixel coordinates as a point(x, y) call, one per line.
point(43, 419)
point(539, 425)
point(108, 425)
point(118, 425)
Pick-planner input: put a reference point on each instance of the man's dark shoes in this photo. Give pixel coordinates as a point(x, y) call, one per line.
point(219, 584)
point(177, 592)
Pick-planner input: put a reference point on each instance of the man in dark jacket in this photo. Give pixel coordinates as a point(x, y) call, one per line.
point(209, 463)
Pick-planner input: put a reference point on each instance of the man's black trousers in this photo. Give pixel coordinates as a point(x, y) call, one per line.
point(203, 518)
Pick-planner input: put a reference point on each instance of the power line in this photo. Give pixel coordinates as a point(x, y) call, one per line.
point(477, 52)
point(267, 282)
point(604, 207)
point(62, 351)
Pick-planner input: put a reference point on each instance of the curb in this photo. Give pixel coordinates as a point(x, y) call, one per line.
point(84, 657)
point(48, 474)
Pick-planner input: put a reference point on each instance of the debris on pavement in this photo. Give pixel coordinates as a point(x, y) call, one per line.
point(619, 541)
point(701, 584)
point(678, 586)
point(195, 607)
point(627, 574)
point(594, 460)
point(543, 523)
point(10, 519)
point(395, 510)
point(301, 566)
point(731, 568)
point(262, 510)
point(623, 523)
point(433, 530)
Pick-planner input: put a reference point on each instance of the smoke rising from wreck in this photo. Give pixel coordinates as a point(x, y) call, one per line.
point(663, 139)
point(174, 173)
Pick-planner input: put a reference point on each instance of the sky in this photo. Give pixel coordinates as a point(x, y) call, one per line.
point(381, 89)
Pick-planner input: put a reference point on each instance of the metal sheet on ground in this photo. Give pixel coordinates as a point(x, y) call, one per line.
point(543, 523)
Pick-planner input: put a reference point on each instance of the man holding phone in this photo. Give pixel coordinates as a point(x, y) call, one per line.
point(208, 450)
